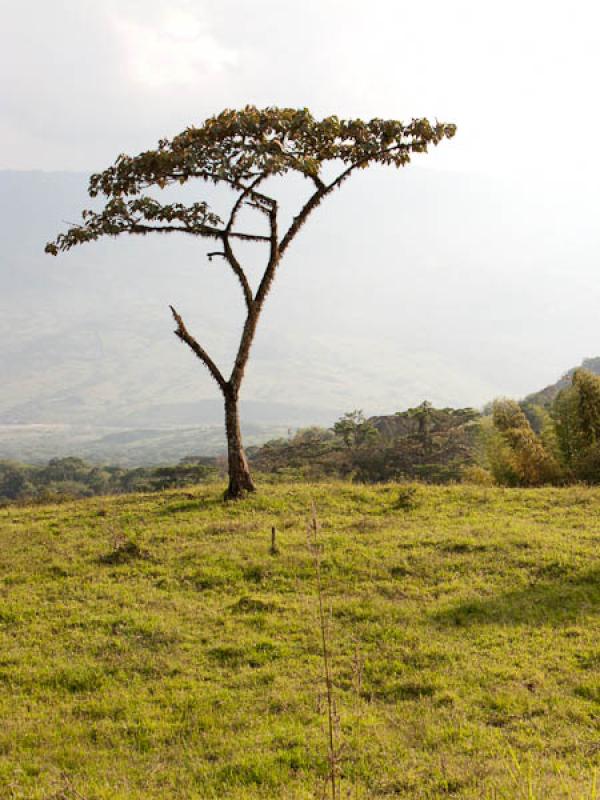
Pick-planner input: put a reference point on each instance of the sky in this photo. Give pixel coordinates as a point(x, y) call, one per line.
point(82, 80)
point(499, 241)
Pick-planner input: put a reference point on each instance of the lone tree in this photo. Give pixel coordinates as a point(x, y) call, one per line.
point(242, 150)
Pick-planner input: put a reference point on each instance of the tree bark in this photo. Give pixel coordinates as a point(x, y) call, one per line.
point(240, 480)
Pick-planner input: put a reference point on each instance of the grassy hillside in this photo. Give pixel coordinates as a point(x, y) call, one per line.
point(152, 647)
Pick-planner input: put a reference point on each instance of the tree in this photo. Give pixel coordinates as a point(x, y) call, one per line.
point(355, 430)
point(423, 414)
point(587, 386)
point(14, 481)
point(576, 412)
point(242, 150)
point(309, 453)
point(519, 456)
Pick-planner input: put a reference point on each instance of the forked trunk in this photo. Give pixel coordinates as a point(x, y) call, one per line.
point(240, 480)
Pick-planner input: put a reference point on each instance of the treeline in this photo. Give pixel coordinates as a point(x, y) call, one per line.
point(422, 443)
point(72, 478)
point(511, 444)
point(533, 445)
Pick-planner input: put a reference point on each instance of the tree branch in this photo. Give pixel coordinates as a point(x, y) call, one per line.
point(238, 203)
point(317, 181)
point(263, 198)
point(322, 191)
point(257, 206)
point(182, 333)
point(255, 307)
point(229, 254)
point(178, 177)
point(249, 237)
point(274, 259)
point(276, 252)
point(301, 218)
point(347, 172)
point(238, 271)
point(235, 265)
point(213, 233)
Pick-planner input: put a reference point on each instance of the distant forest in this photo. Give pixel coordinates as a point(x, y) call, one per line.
point(552, 437)
point(71, 478)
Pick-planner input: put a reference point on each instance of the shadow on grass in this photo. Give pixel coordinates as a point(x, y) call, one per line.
point(545, 602)
point(191, 504)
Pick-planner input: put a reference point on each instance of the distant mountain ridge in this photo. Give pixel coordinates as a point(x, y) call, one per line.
point(87, 338)
point(175, 434)
point(545, 396)
point(409, 296)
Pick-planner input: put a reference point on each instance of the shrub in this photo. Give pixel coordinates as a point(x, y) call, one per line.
point(518, 456)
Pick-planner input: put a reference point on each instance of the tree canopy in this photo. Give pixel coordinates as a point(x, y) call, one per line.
point(242, 149)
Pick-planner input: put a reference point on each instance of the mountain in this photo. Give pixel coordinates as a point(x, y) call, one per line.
point(403, 287)
point(545, 396)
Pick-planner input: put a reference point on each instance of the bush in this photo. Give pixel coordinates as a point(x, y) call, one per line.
point(516, 454)
point(576, 414)
point(477, 475)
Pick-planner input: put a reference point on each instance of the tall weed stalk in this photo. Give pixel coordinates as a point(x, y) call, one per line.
point(333, 780)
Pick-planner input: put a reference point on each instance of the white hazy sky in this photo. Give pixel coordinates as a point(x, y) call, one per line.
point(82, 80)
point(497, 247)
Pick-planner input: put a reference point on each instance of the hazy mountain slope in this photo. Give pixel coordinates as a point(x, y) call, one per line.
point(546, 395)
point(403, 287)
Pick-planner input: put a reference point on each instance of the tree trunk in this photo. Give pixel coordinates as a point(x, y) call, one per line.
point(240, 480)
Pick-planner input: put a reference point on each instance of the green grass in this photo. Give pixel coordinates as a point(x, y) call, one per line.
point(152, 647)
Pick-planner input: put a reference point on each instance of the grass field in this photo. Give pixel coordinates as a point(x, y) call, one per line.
point(151, 646)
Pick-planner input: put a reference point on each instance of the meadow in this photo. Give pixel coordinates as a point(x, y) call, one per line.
point(154, 646)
